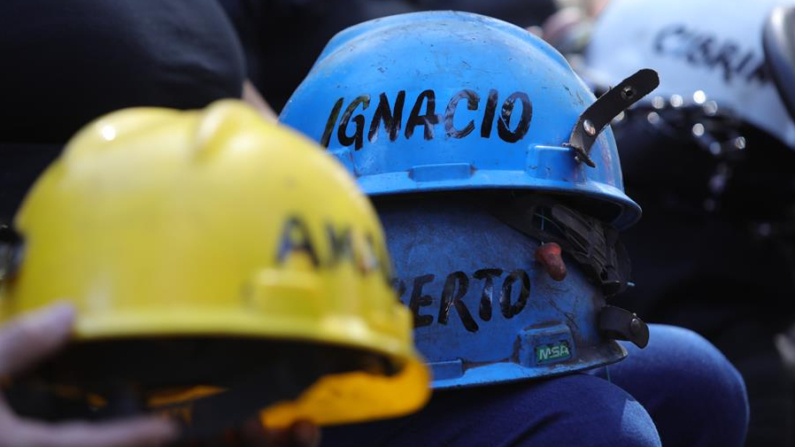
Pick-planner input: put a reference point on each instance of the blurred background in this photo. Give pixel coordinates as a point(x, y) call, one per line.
point(715, 251)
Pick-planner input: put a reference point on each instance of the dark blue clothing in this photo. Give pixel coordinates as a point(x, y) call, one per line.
point(574, 410)
point(711, 275)
point(680, 382)
point(694, 395)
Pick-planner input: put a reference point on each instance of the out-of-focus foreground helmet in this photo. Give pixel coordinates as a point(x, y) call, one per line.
point(211, 248)
point(477, 142)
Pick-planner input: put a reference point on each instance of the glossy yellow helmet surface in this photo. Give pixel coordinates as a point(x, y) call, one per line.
point(160, 223)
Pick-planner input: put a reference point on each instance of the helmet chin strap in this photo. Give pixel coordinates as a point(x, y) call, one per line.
point(596, 117)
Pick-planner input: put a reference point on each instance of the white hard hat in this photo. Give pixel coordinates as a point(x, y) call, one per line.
point(704, 50)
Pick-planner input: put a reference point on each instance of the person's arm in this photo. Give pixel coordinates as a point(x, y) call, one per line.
point(252, 96)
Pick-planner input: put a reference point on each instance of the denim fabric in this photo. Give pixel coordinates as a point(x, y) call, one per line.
point(694, 395)
point(680, 382)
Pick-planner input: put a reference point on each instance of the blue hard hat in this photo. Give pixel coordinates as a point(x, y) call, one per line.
point(437, 101)
point(484, 310)
point(507, 280)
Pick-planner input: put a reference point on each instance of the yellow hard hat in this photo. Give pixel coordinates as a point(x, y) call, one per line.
point(216, 225)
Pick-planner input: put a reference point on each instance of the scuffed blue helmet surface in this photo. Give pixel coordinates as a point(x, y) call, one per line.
point(456, 125)
point(448, 101)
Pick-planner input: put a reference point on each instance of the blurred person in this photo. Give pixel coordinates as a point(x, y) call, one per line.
point(282, 38)
point(520, 13)
point(500, 190)
point(710, 158)
point(68, 63)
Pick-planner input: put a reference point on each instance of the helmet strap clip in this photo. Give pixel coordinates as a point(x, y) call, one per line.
point(620, 324)
point(610, 105)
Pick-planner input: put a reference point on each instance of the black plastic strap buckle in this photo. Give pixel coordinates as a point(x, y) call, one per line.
point(595, 244)
point(620, 324)
point(596, 117)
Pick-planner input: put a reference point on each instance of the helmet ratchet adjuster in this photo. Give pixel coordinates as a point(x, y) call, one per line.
point(610, 105)
point(593, 244)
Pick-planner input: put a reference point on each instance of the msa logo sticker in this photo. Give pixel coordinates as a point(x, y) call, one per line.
point(552, 352)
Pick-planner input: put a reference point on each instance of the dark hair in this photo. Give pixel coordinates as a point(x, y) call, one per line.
point(67, 63)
